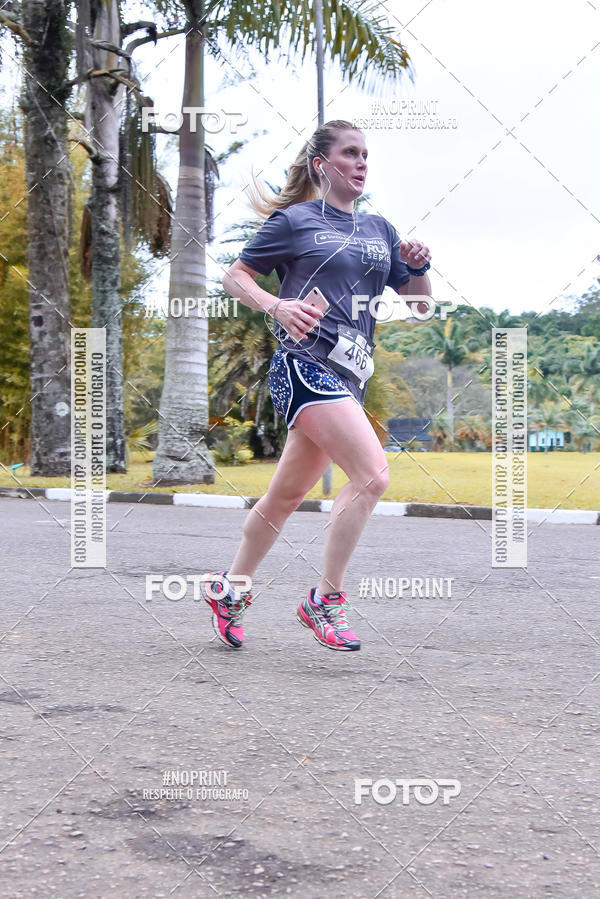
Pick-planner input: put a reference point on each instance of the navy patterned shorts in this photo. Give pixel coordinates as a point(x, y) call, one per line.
point(295, 383)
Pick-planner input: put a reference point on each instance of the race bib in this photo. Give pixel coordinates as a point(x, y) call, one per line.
point(352, 356)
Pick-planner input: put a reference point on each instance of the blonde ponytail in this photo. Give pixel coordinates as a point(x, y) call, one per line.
point(302, 181)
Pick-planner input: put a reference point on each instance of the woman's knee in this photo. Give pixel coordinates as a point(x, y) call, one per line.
point(291, 501)
point(284, 502)
point(344, 433)
point(374, 481)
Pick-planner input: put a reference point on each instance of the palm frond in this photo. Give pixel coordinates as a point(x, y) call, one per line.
point(359, 37)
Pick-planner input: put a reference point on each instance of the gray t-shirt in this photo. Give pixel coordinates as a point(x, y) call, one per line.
point(298, 243)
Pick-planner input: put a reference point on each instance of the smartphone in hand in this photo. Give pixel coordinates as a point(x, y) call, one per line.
point(316, 298)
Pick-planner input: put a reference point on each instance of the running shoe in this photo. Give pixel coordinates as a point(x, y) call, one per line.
point(327, 620)
point(228, 610)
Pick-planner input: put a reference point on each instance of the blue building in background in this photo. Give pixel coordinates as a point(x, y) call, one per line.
point(546, 439)
point(408, 432)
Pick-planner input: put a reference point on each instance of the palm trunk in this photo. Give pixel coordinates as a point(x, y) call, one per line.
point(182, 456)
point(48, 217)
point(450, 403)
point(103, 116)
point(319, 42)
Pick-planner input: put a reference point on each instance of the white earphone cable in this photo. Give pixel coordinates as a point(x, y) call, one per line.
point(343, 246)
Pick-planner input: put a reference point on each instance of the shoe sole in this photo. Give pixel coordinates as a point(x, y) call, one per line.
point(322, 642)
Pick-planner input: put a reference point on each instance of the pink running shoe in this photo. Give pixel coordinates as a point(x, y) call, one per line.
point(327, 620)
point(228, 610)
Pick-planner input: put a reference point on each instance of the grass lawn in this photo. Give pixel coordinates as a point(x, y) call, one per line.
point(567, 480)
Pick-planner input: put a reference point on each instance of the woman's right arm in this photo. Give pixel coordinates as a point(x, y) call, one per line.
point(297, 317)
point(240, 282)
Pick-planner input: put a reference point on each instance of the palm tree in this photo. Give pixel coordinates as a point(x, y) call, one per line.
point(482, 321)
point(582, 421)
point(240, 351)
point(439, 431)
point(538, 390)
point(43, 29)
point(102, 118)
point(587, 376)
point(363, 43)
point(453, 345)
point(473, 432)
point(124, 178)
point(585, 431)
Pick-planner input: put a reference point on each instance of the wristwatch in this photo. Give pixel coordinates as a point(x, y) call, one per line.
point(418, 271)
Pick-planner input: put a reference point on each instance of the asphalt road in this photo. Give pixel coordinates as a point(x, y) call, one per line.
point(106, 697)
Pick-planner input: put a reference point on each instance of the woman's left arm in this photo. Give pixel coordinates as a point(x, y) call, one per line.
point(415, 254)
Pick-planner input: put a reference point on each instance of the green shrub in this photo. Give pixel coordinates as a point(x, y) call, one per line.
point(233, 448)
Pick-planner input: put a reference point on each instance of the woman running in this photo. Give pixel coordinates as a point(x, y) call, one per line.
point(319, 373)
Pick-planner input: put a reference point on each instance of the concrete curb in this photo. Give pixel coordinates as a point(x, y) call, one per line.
point(219, 501)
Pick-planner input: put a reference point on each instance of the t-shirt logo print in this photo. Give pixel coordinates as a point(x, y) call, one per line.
point(375, 252)
point(334, 236)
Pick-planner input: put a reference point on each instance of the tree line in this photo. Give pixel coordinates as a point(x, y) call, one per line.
point(86, 209)
point(64, 48)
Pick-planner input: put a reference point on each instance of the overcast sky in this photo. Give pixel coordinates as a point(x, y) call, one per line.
point(512, 220)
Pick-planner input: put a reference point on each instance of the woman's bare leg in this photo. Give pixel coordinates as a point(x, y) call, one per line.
point(301, 465)
point(343, 432)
